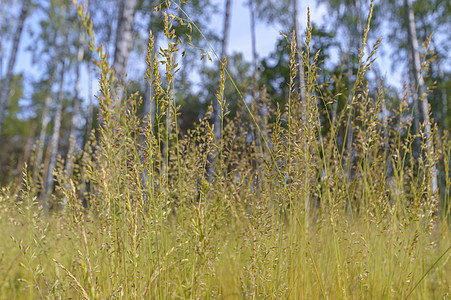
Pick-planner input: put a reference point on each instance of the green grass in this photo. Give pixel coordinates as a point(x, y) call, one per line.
point(288, 215)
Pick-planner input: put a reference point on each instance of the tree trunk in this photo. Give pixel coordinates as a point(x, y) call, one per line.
point(254, 48)
point(225, 39)
point(73, 125)
point(56, 128)
point(89, 117)
point(149, 106)
point(416, 108)
point(359, 23)
point(349, 131)
point(443, 92)
point(45, 114)
point(299, 49)
point(124, 42)
point(255, 88)
point(419, 84)
point(44, 123)
point(355, 33)
point(4, 94)
point(444, 98)
point(5, 26)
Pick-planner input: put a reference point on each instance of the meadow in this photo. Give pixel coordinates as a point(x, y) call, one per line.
point(275, 207)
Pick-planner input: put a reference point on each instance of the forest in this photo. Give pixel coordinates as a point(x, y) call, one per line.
point(142, 158)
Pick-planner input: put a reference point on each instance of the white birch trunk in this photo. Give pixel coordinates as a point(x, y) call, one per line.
point(416, 108)
point(89, 117)
point(254, 48)
point(44, 123)
point(443, 92)
point(73, 125)
point(444, 98)
point(124, 42)
point(149, 106)
point(299, 49)
point(56, 128)
point(419, 84)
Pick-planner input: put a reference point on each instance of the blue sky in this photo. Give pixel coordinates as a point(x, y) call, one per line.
point(240, 40)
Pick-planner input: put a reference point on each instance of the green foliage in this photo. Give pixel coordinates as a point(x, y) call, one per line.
point(18, 129)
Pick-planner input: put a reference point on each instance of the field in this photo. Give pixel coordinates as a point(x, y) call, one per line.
point(271, 206)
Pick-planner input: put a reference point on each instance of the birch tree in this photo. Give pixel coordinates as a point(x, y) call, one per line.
point(54, 141)
point(419, 86)
point(348, 16)
point(4, 93)
point(44, 123)
point(124, 42)
point(47, 51)
point(296, 28)
point(253, 45)
point(76, 111)
point(285, 13)
point(225, 40)
point(5, 28)
point(433, 18)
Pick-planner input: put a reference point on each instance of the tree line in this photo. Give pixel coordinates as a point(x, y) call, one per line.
point(42, 118)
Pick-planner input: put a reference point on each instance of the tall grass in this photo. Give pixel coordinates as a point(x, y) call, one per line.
point(285, 215)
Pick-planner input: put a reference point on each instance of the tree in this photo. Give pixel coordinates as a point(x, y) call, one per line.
point(433, 18)
point(54, 141)
point(5, 28)
point(254, 46)
point(225, 39)
point(44, 123)
point(124, 42)
point(17, 131)
point(299, 43)
point(72, 137)
point(47, 49)
point(4, 93)
point(418, 80)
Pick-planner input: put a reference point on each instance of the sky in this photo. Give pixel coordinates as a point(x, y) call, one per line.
point(240, 40)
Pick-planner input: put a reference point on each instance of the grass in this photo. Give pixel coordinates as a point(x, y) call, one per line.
point(287, 215)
